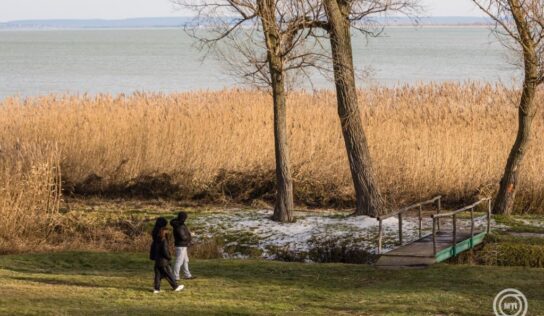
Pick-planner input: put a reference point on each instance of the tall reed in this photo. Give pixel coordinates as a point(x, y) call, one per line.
point(30, 194)
point(450, 139)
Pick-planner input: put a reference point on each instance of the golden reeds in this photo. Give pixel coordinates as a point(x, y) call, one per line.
point(450, 139)
point(30, 195)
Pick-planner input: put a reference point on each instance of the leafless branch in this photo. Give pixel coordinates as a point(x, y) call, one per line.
point(519, 25)
point(233, 31)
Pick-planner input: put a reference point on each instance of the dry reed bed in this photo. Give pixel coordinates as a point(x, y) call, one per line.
point(450, 139)
point(30, 195)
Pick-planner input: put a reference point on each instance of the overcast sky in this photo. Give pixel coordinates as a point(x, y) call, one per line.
point(119, 9)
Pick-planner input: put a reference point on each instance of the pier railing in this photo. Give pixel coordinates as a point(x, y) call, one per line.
point(453, 214)
point(399, 213)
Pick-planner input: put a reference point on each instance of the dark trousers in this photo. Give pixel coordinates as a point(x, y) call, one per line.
point(164, 272)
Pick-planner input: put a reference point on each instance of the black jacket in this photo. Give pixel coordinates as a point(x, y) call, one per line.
point(159, 252)
point(182, 235)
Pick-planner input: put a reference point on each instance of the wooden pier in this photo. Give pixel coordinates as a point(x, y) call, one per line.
point(438, 246)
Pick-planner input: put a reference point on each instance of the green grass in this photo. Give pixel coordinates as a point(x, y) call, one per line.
point(515, 223)
point(119, 284)
point(503, 249)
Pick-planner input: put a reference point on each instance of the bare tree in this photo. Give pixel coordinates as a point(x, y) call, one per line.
point(519, 24)
point(341, 16)
point(269, 42)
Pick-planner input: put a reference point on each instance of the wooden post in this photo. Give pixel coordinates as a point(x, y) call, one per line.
point(439, 210)
point(434, 236)
point(454, 241)
point(489, 216)
point(472, 222)
point(400, 228)
point(420, 219)
point(380, 236)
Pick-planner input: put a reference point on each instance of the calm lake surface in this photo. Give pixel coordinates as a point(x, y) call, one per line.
point(164, 60)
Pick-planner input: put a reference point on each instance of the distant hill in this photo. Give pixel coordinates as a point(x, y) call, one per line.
point(441, 20)
point(97, 23)
point(181, 21)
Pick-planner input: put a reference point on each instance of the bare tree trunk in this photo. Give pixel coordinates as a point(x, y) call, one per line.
point(369, 199)
point(284, 195)
point(504, 203)
point(283, 209)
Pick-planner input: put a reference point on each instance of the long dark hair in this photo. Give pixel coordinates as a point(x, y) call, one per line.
point(159, 230)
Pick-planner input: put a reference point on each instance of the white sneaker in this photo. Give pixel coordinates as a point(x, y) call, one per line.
point(179, 288)
point(156, 291)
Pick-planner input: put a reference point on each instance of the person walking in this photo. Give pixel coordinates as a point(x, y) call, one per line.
point(182, 240)
point(161, 255)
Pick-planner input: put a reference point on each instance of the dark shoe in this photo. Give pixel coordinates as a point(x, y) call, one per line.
point(190, 278)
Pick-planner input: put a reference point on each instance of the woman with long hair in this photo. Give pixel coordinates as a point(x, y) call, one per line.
point(161, 255)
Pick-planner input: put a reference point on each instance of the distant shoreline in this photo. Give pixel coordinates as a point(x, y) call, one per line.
point(398, 26)
point(179, 22)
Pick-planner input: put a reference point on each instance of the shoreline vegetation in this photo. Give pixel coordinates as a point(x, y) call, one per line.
point(217, 147)
point(449, 139)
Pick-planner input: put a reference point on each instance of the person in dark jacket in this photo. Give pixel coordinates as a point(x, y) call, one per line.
point(182, 240)
point(161, 255)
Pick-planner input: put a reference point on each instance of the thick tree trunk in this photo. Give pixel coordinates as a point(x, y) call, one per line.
point(504, 203)
point(284, 195)
point(283, 209)
point(369, 199)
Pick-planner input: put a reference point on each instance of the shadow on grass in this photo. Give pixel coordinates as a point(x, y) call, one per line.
point(71, 282)
point(83, 263)
point(57, 282)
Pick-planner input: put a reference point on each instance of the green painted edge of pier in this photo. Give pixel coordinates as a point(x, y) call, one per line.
point(460, 247)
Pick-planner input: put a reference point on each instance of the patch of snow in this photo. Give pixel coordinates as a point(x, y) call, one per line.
point(311, 230)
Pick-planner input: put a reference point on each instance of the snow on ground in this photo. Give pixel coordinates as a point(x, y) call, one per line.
point(300, 235)
point(311, 230)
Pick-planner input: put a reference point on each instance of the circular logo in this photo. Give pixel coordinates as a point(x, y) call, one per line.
point(510, 302)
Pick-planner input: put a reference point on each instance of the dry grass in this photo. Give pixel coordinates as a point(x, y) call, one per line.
point(441, 138)
point(30, 195)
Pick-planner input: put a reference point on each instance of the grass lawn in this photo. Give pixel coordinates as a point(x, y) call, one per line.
point(118, 284)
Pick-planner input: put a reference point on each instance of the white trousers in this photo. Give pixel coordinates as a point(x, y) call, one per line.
point(182, 260)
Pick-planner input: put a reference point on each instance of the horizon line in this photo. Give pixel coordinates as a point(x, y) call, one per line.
point(189, 16)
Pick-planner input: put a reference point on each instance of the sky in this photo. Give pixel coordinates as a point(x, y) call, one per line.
point(120, 9)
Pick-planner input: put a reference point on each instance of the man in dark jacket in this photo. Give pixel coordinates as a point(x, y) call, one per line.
point(182, 240)
point(161, 255)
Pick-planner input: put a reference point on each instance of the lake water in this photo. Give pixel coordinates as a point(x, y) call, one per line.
point(124, 61)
